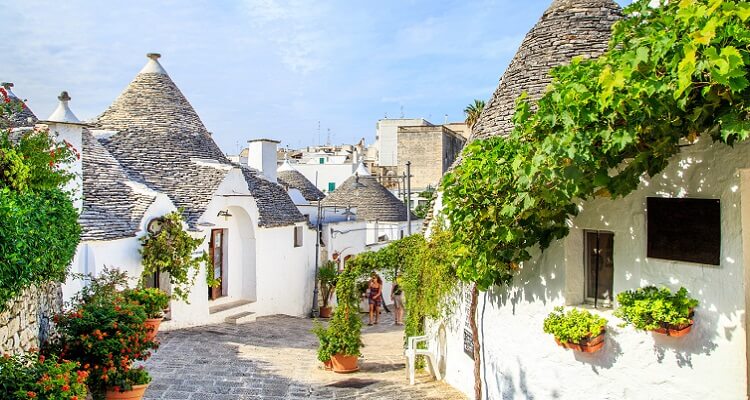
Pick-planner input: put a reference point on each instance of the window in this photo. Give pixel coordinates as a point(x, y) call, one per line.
point(599, 265)
point(297, 236)
point(321, 160)
point(331, 186)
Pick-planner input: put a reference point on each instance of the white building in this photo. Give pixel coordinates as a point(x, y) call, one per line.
point(149, 154)
point(520, 361)
point(386, 138)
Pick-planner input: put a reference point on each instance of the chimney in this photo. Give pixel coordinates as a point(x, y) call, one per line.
point(69, 128)
point(261, 155)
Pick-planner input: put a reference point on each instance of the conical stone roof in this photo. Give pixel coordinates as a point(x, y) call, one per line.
point(161, 141)
point(567, 29)
point(291, 178)
point(113, 205)
point(22, 115)
point(369, 197)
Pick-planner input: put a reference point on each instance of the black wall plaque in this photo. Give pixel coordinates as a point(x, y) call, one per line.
point(684, 229)
point(469, 343)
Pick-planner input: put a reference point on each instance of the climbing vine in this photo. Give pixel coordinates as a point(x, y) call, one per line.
point(170, 250)
point(673, 74)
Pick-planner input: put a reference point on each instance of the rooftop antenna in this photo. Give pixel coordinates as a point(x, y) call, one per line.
point(318, 134)
point(402, 111)
point(386, 116)
point(446, 119)
point(328, 137)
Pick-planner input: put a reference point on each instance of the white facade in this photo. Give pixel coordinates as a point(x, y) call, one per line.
point(386, 138)
point(520, 361)
point(326, 177)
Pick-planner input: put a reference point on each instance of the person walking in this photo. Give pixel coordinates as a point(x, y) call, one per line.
point(397, 296)
point(380, 281)
point(374, 298)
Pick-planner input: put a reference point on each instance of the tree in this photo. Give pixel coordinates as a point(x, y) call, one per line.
point(473, 111)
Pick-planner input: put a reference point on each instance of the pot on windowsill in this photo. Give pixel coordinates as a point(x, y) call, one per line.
point(325, 312)
point(586, 345)
point(136, 393)
point(344, 364)
point(152, 327)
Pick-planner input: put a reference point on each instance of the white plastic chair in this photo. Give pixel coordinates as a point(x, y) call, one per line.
point(411, 354)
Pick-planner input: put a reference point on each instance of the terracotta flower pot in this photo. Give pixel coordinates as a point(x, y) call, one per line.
point(674, 330)
point(135, 394)
point(344, 364)
point(152, 325)
point(325, 312)
point(328, 365)
point(586, 345)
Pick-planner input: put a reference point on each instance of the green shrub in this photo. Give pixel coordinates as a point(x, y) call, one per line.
point(153, 300)
point(39, 234)
point(33, 376)
point(343, 335)
point(105, 333)
point(650, 308)
point(124, 380)
point(324, 350)
point(574, 325)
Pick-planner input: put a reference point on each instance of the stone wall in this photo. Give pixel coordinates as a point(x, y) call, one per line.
point(28, 320)
point(431, 150)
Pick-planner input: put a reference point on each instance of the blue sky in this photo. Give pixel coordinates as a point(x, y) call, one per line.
point(270, 68)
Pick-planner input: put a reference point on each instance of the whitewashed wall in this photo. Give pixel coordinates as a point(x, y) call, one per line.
point(521, 362)
point(336, 173)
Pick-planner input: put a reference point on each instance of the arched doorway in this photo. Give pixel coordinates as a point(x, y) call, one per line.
point(239, 256)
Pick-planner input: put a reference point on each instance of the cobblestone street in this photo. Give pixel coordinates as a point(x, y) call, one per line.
point(275, 358)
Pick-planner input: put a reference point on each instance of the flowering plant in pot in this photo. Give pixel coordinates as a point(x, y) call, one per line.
point(154, 301)
point(34, 376)
point(327, 276)
point(658, 310)
point(104, 333)
point(576, 329)
point(128, 383)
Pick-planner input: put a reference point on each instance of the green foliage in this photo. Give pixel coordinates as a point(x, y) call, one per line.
point(421, 210)
point(170, 250)
point(327, 275)
point(672, 73)
point(343, 334)
point(650, 308)
point(473, 111)
point(574, 325)
point(34, 161)
point(39, 234)
point(35, 376)
point(104, 332)
point(124, 380)
point(153, 300)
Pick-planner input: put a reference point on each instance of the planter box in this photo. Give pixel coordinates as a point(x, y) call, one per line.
point(344, 364)
point(586, 345)
point(674, 330)
point(135, 394)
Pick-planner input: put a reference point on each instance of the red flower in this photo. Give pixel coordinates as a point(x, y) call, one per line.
point(31, 395)
point(41, 359)
point(65, 388)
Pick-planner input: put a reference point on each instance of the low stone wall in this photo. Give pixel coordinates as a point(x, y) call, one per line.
point(28, 320)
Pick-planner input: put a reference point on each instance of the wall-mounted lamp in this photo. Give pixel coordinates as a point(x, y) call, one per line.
point(224, 213)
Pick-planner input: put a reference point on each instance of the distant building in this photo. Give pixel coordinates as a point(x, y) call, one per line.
point(431, 151)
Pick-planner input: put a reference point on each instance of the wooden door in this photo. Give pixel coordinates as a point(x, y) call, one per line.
point(216, 252)
point(599, 261)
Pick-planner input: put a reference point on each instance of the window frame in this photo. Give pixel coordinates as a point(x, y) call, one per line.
point(298, 237)
point(589, 300)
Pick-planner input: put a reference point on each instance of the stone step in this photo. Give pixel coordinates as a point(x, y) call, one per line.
point(228, 306)
point(241, 318)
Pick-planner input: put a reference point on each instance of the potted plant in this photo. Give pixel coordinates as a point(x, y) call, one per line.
point(657, 310)
point(105, 333)
point(344, 340)
point(576, 329)
point(154, 301)
point(327, 276)
point(324, 353)
point(34, 376)
point(128, 384)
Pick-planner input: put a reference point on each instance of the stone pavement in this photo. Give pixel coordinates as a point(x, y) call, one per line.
point(275, 358)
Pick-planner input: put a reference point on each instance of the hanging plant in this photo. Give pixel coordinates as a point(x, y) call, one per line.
point(170, 249)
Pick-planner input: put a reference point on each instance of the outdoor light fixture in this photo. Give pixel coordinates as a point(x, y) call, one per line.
point(224, 213)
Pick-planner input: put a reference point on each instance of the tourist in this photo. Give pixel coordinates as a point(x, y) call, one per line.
point(375, 296)
point(397, 296)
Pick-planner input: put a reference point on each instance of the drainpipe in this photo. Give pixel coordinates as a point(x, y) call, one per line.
point(408, 198)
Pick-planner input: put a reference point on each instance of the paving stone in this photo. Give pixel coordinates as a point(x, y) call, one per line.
point(274, 358)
